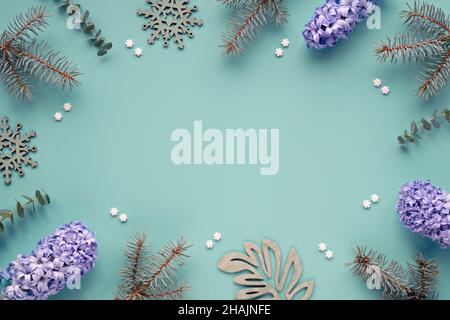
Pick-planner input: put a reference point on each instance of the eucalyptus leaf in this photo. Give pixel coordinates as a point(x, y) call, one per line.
point(102, 52)
point(5, 213)
point(426, 124)
point(108, 46)
point(2, 228)
point(20, 210)
point(40, 198)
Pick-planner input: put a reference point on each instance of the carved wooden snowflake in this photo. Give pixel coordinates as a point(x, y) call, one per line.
point(170, 19)
point(14, 150)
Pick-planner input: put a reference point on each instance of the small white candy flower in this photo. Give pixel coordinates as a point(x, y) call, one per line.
point(58, 116)
point(385, 90)
point(375, 198)
point(366, 204)
point(67, 107)
point(279, 52)
point(138, 52)
point(114, 212)
point(123, 217)
point(377, 83)
point(285, 43)
point(322, 247)
point(329, 254)
point(217, 236)
point(209, 244)
point(129, 43)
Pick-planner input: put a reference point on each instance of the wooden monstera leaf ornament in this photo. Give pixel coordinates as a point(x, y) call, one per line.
point(260, 279)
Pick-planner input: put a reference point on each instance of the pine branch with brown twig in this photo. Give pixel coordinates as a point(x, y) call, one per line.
point(250, 16)
point(429, 43)
point(23, 58)
point(148, 276)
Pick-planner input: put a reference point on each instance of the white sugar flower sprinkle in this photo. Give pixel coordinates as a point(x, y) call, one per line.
point(375, 198)
point(209, 244)
point(58, 116)
point(138, 52)
point(285, 43)
point(67, 107)
point(217, 236)
point(114, 212)
point(279, 52)
point(385, 90)
point(123, 217)
point(366, 204)
point(129, 43)
point(377, 83)
point(322, 247)
point(329, 254)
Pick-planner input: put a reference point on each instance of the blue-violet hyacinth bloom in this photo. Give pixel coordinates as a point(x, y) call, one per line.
point(425, 209)
point(335, 20)
point(57, 260)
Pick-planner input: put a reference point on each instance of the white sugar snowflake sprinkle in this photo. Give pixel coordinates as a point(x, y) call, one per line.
point(385, 90)
point(209, 244)
point(322, 247)
point(366, 204)
point(279, 52)
point(114, 212)
point(67, 107)
point(58, 116)
point(138, 52)
point(377, 83)
point(329, 254)
point(123, 217)
point(375, 198)
point(285, 43)
point(129, 43)
point(217, 236)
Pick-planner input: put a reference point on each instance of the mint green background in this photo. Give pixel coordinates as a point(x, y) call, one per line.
point(337, 140)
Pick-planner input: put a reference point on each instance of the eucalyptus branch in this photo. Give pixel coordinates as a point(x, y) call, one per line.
point(413, 135)
point(41, 197)
point(88, 26)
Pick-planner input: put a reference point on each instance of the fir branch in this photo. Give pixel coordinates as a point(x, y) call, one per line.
point(430, 43)
point(436, 76)
point(414, 134)
point(152, 276)
point(391, 273)
point(395, 283)
point(26, 26)
point(426, 18)
point(41, 197)
point(423, 276)
point(410, 48)
point(21, 57)
point(42, 62)
point(249, 18)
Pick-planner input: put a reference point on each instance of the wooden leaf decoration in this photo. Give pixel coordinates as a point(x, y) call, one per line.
point(261, 279)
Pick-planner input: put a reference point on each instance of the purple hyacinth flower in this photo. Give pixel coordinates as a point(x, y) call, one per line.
point(335, 20)
point(57, 260)
point(425, 209)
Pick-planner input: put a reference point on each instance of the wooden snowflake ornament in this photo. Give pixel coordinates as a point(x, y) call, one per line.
point(170, 19)
point(14, 150)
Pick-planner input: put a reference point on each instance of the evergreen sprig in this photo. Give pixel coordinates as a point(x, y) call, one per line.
point(88, 27)
point(23, 57)
point(429, 42)
point(249, 17)
point(149, 276)
point(413, 135)
point(40, 197)
point(419, 282)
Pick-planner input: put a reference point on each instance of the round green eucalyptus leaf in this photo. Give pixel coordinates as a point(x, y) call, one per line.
point(102, 52)
point(108, 46)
